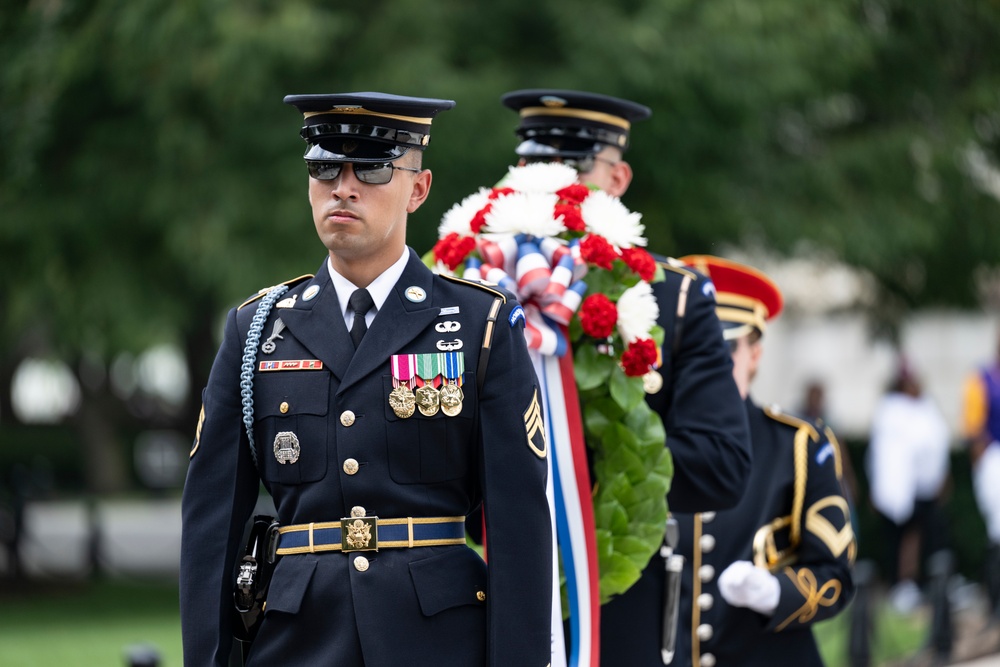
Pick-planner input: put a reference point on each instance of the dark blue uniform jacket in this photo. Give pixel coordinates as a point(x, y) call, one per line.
point(708, 438)
point(430, 605)
point(813, 549)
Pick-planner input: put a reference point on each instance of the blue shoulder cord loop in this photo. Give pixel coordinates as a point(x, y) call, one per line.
point(250, 358)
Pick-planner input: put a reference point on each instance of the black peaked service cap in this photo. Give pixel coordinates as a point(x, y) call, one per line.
point(571, 123)
point(365, 127)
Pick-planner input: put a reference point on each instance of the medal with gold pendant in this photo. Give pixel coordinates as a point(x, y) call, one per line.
point(428, 375)
point(451, 394)
point(401, 398)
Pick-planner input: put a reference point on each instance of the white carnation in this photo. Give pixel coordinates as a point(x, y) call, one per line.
point(540, 177)
point(459, 217)
point(524, 213)
point(637, 312)
point(607, 216)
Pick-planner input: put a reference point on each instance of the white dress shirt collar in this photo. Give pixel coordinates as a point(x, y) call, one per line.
point(379, 288)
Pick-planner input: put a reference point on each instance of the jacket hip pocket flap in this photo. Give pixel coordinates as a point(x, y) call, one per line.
point(289, 584)
point(451, 579)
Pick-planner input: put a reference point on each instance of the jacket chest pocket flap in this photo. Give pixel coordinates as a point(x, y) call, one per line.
point(429, 450)
point(290, 409)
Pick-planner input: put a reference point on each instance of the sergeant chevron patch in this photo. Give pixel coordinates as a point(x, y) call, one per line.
point(534, 426)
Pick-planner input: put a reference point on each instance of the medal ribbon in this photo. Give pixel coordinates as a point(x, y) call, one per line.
point(454, 366)
point(429, 368)
point(402, 369)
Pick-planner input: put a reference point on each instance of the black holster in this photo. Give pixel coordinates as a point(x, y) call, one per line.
point(253, 576)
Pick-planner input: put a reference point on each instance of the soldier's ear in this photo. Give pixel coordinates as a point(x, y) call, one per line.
point(621, 177)
point(756, 352)
point(421, 188)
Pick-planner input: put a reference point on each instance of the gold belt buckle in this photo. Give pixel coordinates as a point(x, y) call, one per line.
point(359, 532)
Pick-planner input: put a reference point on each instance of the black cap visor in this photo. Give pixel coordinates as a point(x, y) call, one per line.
point(558, 147)
point(351, 149)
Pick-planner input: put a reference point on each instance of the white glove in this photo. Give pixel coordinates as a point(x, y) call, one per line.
point(743, 584)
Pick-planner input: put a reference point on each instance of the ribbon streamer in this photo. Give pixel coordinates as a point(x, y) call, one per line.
point(547, 277)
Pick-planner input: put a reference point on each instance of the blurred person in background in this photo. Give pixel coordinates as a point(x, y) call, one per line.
point(981, 430)
point(814, 401)
point(908, 465)
point(759, 575)
point(697, 398)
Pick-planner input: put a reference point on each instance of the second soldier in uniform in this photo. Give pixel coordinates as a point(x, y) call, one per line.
point(702, 412)
point(758, 576)
point(314, 392)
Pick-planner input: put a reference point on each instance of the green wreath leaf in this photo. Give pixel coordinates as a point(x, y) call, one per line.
point(591, 368)
point(632, 473)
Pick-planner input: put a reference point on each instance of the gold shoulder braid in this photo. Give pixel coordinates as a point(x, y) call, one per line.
point(765, 551)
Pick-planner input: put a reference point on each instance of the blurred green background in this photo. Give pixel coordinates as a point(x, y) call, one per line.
point(151, 178)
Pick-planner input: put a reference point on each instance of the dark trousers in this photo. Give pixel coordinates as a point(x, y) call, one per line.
point(928, 521)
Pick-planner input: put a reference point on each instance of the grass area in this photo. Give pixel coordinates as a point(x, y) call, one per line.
point(91, 624)
point(894, 636)
point(88, 625)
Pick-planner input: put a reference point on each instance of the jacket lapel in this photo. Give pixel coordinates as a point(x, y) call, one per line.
point(398, 322)
point(319, 325)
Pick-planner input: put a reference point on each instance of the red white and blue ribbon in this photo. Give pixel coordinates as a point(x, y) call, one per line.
point(573, 514)
point(546, 275)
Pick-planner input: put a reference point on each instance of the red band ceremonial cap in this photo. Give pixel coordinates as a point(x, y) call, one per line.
point(746, 297)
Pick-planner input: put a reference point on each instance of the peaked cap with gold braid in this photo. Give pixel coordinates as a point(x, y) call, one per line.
point(365, 127)
point(746, 298)
point(571, 123)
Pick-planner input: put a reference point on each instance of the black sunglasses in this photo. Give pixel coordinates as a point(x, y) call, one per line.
point(582, 165)
point(372, 173)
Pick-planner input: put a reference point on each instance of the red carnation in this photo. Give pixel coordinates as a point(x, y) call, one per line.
point(479, 219)
point(596, 250)
point(571, 217)
point(598, 316)
point(639, 357)
point(641, 262)
point(499, 192)
point(574, 194)
point(453, 249)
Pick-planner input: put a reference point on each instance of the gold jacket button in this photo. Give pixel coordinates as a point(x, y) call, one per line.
point(361, 564)
point(481, 596)
point(706, 573)
point(346, 417)
point(705, 601)
point(283, 407)
point(707, 660)
point(705, 632)
point(707, 517)
point(350, 466)
point(707, 543)
point(357, 512)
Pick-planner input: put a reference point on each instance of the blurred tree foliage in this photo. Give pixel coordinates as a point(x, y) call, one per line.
point(150, 176)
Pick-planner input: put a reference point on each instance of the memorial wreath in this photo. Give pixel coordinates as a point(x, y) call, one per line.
point(575, 257)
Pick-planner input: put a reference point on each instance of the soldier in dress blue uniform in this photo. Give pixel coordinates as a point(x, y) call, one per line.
point(758, 576)
point(694, 391)
point(378, 403)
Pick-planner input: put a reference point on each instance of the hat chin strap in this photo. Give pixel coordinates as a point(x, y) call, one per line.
point(737, 332)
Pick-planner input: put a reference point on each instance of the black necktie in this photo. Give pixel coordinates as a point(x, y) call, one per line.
point(360, 302)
